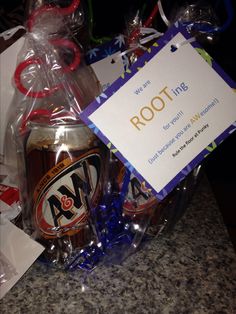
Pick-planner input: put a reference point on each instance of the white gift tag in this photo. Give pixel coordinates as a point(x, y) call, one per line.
point(108, 71)
point(166, 113)
point(7, 68)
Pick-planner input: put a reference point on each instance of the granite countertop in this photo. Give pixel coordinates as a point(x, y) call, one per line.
point(190, 270)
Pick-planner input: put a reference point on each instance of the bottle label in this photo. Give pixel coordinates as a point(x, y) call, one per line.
point(139, 198)
point(65, 193)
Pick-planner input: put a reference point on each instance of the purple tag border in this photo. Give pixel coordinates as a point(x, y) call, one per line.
point(128, 75)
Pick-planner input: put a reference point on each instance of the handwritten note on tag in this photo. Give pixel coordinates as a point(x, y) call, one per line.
point(162, 117)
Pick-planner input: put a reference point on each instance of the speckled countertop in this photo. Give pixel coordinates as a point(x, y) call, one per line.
point(191, 270)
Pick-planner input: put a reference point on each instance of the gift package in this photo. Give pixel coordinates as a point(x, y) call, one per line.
point(69, 186)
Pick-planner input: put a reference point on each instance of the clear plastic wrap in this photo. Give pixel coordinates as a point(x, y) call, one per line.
point(140, 33)
point(72, 11)
point(7, 270)
point(71, 200)
point(205, 20)
point(59, 160)
point(145, 216)
point(200, 18)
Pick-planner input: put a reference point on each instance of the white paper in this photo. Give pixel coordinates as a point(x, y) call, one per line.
point(7, 68)
point(19, 249)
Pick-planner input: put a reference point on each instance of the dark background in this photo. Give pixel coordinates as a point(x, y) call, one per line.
point(111, 18)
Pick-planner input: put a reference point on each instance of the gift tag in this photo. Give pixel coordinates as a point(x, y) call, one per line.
point(102, 59)
point(167, 112)
point(107, 71)
point(7, 68)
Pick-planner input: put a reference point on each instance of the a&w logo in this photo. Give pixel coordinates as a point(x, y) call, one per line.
point(64, 202)
point(138, 199)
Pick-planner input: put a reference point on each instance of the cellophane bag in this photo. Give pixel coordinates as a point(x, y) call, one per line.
point(147, 215)
point(200, 18)
point(59, 160)
point(7, 270)
point(75, 16)
point(129, 213)
point(72, 200)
